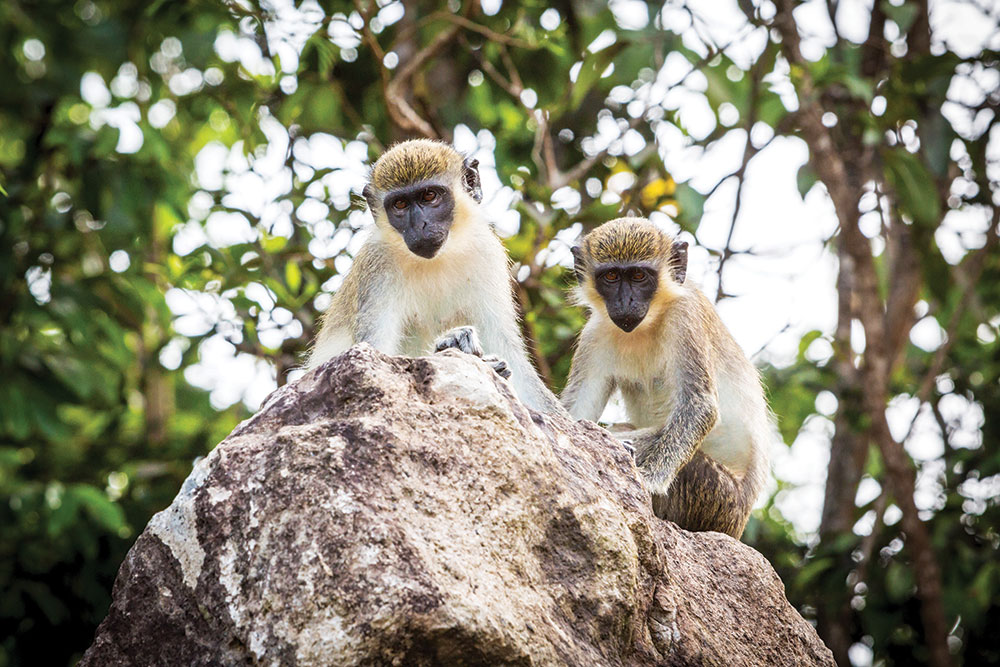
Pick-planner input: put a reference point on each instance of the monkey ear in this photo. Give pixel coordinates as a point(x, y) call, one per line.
point(470, 179)
point(679, 261)
point(369, 194)
point(578, 264)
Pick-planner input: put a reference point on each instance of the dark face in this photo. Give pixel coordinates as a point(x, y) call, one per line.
point(422, 213)
point(627, 290)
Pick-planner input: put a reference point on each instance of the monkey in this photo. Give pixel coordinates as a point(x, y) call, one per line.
point(701, 423)
point(432, 263)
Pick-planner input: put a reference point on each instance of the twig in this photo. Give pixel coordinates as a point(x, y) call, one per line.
point(468, 24)
point(400, 111)
point(748, 153)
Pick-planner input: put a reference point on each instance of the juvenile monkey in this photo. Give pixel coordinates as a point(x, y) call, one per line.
point(433, 263)
point(703, 425)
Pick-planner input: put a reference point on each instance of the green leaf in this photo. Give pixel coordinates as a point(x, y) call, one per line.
point(691, 205)
point(807, 340)
point(914, 187)
point(293, 276)
point(805, 179)
point(594, 65)
point(903, 15)
point(813, 571)
point(898, 582)
point(100, 508)
point(16, 421)
point(859, 87)
point(64, 515)
point(771, 109)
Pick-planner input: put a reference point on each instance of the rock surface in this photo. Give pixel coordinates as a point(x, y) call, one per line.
point(389, 510)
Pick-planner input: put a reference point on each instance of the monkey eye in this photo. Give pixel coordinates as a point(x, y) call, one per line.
point(638, 275)
point(399, 204)
point(429, 196)
point(611, 276)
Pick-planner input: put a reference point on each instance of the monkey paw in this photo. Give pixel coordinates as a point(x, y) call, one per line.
point(498, 365)
point(627, 444)
point(657, 482)
point(464, 339)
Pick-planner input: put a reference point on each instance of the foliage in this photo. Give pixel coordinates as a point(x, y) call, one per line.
point(178, 183)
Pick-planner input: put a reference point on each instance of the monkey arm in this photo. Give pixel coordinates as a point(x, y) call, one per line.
point(586, 398)
point(361, 310)
point(377, 319)
point(501, 338)
point(466, 339)
point(525, 378)
point(660, 455)
point(589, 387)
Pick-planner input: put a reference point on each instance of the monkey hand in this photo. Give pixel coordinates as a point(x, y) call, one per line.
point(657, 471)
point(465, 339)
point(657, 481)
point(627, 444)
point(626, 434)
point(498, 365)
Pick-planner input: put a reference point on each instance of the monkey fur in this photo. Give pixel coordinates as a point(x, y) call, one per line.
point(432, 263)
point(701, 421)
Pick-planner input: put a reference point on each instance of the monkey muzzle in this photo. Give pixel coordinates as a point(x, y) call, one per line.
point(424, 231)
point(627, 313)
point(424, 245)
point(627, 323)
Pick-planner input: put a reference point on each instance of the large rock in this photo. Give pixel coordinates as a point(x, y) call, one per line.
point(389, 510)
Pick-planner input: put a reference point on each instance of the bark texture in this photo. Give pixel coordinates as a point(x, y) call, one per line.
point(390, 510)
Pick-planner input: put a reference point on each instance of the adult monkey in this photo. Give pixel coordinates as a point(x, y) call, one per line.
point(703, 425)
point(432, 264)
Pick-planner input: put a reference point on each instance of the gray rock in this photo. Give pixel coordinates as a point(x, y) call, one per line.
point(398, 511)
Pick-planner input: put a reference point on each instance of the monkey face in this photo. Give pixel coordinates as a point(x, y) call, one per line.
point(627, 290)
point(422, 213)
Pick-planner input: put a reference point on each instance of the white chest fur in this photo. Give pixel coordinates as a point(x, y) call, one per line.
point(447, 291)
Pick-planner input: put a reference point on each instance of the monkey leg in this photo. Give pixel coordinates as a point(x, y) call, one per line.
point(705, 496)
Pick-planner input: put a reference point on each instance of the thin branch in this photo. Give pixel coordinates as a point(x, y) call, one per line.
point(868, 542)
point(369, 37)
point(464, 22)
point(393, 90)
point(783, 329)
point(748, 153)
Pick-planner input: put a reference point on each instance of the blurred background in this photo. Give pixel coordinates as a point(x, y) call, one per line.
point(179, 196)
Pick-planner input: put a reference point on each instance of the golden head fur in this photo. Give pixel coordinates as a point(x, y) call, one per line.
point(627, 240)
point(414, 161)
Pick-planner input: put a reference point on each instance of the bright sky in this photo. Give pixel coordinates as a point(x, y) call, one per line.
point(784, 290)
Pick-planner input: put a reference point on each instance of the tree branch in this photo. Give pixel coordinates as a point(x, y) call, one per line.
point(828, 160)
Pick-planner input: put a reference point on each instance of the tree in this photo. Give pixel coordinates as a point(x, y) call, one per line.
point(181, 185)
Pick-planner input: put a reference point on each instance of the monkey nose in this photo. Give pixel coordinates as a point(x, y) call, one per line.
point(627, 322)
point(427, 246)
